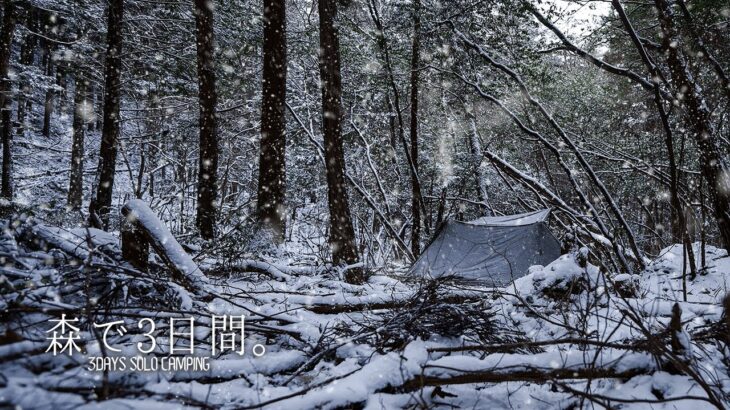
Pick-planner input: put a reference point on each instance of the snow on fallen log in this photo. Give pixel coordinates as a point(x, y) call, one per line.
point(21, 349)
point(534, 368)
point(250, 265)
point(279, 271)
point(184, 270)
point(383, 371)
point(74, 241)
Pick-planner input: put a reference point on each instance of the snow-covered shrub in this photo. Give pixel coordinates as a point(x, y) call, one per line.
point(560, 279)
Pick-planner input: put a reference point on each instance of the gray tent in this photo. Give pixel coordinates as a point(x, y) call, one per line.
point(491, 250)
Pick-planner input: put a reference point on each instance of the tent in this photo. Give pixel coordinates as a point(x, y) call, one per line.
point(491, 251)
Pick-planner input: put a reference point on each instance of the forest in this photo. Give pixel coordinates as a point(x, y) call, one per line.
point(366, 204)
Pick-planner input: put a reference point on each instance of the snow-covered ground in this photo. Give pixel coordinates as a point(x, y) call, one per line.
point(563, 336)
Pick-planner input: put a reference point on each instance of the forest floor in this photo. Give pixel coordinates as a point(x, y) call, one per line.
point(564, 336)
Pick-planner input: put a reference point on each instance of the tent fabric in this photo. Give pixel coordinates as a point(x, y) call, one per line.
point(491, 251)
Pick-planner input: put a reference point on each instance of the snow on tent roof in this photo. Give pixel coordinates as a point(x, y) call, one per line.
point(514, 220)
point(492, 250)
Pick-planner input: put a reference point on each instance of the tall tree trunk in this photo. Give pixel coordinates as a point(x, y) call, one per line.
point(415, 184)
point(342, 234)
point(713, 165)
point(272, 160)
point(154, 127)
point(27, 56)
point(475, 147)
point(62, 93)
point(6, 39)
point(48, 103)
point(101, 204)
point(207, 97)
point(76, 179)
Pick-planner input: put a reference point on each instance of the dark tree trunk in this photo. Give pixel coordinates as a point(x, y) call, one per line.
point(62, 84)
point(713, 165)
point(135, 247)
point(342, 234)
point(48, 103)
point(101, 203)
point(272, 161)
point(27, 57)
point(415, 184)
point(154, 127)
point(208, 160)
point(6, 37)
point(76, 179)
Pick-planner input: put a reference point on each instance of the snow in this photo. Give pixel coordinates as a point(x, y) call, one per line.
point(586, 144)
point(126, 404)
point(332, 359)
point(513, 220)
point(386, 370)
point(30, 397)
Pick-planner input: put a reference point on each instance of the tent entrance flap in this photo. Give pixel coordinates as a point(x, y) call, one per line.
point(492, 250)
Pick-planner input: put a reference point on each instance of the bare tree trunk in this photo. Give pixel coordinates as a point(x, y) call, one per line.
point(475, 147)
point(342, 234)
point(441, 209)
point(6, 39)
point(100, 205)
point(712, 163)
point(208, 163)
point(76, 179)
point(27, 54)
point(271, 206)
point(415, 184)
point(48, 103)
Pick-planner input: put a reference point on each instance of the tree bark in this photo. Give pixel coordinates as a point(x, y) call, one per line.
point(342, 234)
point(101, 204)
point(6, 39)
point(135, 246)
point(415, 184)
point(76, 179)
point(207, 97)
point(27, 56)
point(48, 103)
point(475, 147)
point(272, 161)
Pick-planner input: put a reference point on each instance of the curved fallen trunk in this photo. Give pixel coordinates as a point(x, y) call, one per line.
point(144, 229)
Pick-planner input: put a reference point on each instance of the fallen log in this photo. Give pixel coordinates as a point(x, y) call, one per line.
point(145, 228)
point(332, 309)
point(640, 345)
point(534, 375)
point(76, 242)
point(249, 265)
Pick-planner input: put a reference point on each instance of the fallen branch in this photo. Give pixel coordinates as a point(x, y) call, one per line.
point(535, 375)
point(392, 304)
point(512, 347)
point(250, 265)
